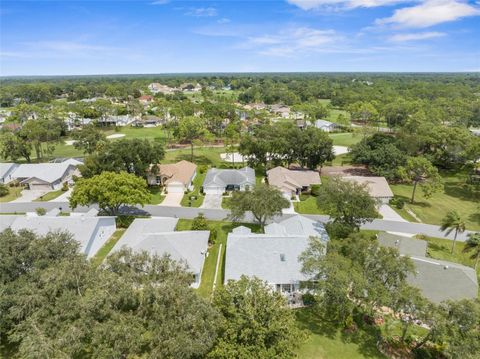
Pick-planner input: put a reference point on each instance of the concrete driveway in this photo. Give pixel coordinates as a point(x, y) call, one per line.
point(389, 213)
point(28, 195)
point(172, 200)
point(63, 197)
point(212, 201)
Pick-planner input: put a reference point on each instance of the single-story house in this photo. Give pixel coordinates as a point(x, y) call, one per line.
point(377, 186)
point(292, 182)
point(145, 99)
point(6, 170)
point(119, 121)
point(176, 177)
point(218, 181)
point(325, 125)
point(148, 121)
point(438, 280)
point(273, 256)
point(45, 176)
point(90, 231)
point(157, 236)
point(156, 87)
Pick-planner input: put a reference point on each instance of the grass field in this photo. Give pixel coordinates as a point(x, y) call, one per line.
point(13, 193)
point(107, 247)
point(49, 196)
point(308, 206)
point(345, 138)
point(452, 196)
point(197, 185)
point(207, 156)
point(223, 228)
point(156, 196)
point(325, 341)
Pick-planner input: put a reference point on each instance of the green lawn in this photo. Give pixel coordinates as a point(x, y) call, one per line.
point(208, 156)
point(13, 193)
point(197, 184)
point(107, 247)
point(325, 341)
point(452, 196)
point(345, 138)
point(223, 228)
point(308, 206)
point(226, 202)
point(156, 196)
point(49, 196)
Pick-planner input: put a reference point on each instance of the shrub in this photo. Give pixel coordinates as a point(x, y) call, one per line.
point(400, 204)
point(65, 186)
point(213, 236)
point(124, 221)
point(303, 197)
point(315, 190)
point(40, 211)
point(200, 223)
point(202, 169)
point(3, 190)
point(308, 299)
point(292, 197)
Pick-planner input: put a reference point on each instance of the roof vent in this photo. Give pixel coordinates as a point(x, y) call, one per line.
point(282, 257)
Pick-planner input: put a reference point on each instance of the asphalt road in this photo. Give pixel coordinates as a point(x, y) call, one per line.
point(221, 214)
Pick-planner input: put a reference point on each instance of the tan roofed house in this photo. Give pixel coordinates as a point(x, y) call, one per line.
point(377, 186)
point(176, 177)
point(292, 181)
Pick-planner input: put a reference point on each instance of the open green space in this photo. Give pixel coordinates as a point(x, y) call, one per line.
point(453, 196)
point(307, 206)
point(13, 193)
point(197, 185)
point(325, 341)
point(49, 196)
point(156, 196)
point(345, 138)
point(107, 247)
point(207, 156)
point(208, 274)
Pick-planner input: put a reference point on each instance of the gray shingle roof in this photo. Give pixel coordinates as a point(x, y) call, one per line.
point(405, 245)
point(83, 228)
point(223, 177)
point(438, 280)
point(273, 256)
point(157, 235)
point(48, 172)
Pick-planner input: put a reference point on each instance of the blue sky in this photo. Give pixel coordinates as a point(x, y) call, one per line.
point(161, 36)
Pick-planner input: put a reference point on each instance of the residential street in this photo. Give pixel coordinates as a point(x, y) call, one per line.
point(221, 214)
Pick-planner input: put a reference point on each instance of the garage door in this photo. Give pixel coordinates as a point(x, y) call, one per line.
point(175, 188)
point(39, 186)
point(214, 190)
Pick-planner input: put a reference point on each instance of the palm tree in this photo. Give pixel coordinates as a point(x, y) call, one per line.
point(452, 221)
point(473, 244)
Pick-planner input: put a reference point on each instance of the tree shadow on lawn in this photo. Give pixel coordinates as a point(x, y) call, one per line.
point(475, 218)
point(366, 336)
point(198, 160)
point(417, 203)
point(455, 189)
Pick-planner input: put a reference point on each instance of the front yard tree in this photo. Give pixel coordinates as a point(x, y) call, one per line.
point(256, 323)
point(315, 148)
point(472, 244)
point(191, 129)
point(420, 171)
point(111, 191)
point(263, 201)
point(348, 204)
point(453, 222)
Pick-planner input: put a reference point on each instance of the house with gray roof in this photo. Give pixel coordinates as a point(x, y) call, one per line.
point(157, 236)
point(6, 170)
point(89, 231)
point(45, 176)
point(325, 125)
point(218, 181)
point(438, 280)
point(273, 256)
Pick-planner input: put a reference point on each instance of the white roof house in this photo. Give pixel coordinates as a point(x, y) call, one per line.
point(90, 231)
point(45, 175)
point(6, 170)
point(438, 280)
point(325, 125)
point(218, 180)
point(273, 256)
point(377, 187)
point(157, 235)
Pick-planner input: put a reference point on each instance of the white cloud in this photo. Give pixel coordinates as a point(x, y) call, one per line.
point(223, 20)
point(350, 4)
point(159, 2)
point(202, 12)
point(416, 36)
point(292, 41)
point(429, 13)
